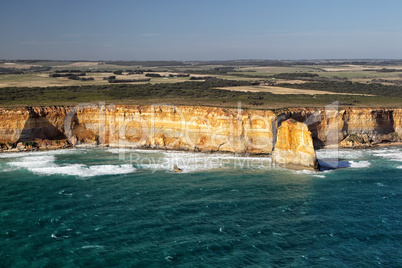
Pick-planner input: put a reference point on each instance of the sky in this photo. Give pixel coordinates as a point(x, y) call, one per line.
point(200, 30)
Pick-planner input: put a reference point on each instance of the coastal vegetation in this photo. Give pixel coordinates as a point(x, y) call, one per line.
point(184, 93)
point(214, 83)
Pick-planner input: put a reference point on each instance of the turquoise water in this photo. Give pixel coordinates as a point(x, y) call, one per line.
point(126, 208)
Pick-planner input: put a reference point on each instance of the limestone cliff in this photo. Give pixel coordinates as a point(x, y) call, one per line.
point(331, 126)
point(206, 129)
point(294, 147)
point(176, 127)
point(23, 124)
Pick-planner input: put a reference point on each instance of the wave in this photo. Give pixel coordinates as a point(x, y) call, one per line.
point(81, 170)
point(389, 154)
point(41, 153)
point(130, 150)
point(93, 246)
point(45, 165)
point(339, 153)
point(335, 163)
point(195, 162)
point(360, 164)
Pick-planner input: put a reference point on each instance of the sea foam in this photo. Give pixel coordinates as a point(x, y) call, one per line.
point(45, 165)
point(41, 153)
point(389, 154)
point(339, 153)
point(360, 164)
point(195, 162)
point(81, 170)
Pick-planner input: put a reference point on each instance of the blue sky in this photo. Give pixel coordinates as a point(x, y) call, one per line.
point(200, 30)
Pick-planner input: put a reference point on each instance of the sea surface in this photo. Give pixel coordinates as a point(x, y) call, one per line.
point(127, 208)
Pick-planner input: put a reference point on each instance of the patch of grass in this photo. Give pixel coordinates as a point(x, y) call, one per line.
point(351, 87)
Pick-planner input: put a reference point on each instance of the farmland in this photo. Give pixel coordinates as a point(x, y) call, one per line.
point(257, 84)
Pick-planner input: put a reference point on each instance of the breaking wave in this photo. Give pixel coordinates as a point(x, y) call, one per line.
point(45, 165)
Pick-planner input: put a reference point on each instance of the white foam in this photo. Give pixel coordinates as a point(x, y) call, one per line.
point(41, 153)
point(81, 170)
point(195, 162)
point(400, 167)
point(33, 161)
point(117, 150)
point(389, 154)
point(93, 246)
point(361, 164)
point(319, 176)
point(44, 165)
point(131, 150)
point(304, 172)
point(339, 153)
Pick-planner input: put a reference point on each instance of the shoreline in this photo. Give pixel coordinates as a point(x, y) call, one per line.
point(389, 144)
point(53, 148)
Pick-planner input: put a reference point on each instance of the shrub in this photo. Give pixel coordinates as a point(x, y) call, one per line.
point(29, 143)
point(153, 75)
point(354, 138)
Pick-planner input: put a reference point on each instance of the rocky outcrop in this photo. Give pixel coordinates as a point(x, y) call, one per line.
point(331, 126)
point(356, 141)
point(294, 147)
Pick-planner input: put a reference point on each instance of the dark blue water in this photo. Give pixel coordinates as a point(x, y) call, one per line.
point(95, 208)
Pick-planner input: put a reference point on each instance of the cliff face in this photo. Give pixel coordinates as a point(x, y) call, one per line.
point(25, 124)
point(330, 126)
point(195, 128)
point(184, 128)
point(294, 147)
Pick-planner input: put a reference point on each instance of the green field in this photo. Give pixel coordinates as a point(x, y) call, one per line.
point(35, 87)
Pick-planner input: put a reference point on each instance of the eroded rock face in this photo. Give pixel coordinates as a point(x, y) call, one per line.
point(204, 129)
point(294, 147)
point(23, 124)
point(332, 126)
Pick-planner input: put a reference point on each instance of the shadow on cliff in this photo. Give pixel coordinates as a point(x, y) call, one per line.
point(38, 127)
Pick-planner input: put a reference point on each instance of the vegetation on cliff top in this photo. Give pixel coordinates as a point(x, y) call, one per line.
point(360, 77)
point(185, 93)
point(352, 87)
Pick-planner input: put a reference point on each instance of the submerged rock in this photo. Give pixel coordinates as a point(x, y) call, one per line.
point(294, 147)
point(177, 169)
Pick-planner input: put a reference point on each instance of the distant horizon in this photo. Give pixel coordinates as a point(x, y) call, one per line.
point(207, 30)
point(210, 60)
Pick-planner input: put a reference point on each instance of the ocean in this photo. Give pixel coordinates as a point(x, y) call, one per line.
point(127, 208)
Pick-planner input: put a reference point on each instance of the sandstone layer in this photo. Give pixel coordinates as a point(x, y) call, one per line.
point(331, 126)
point(205, 129)
point(294, 147)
